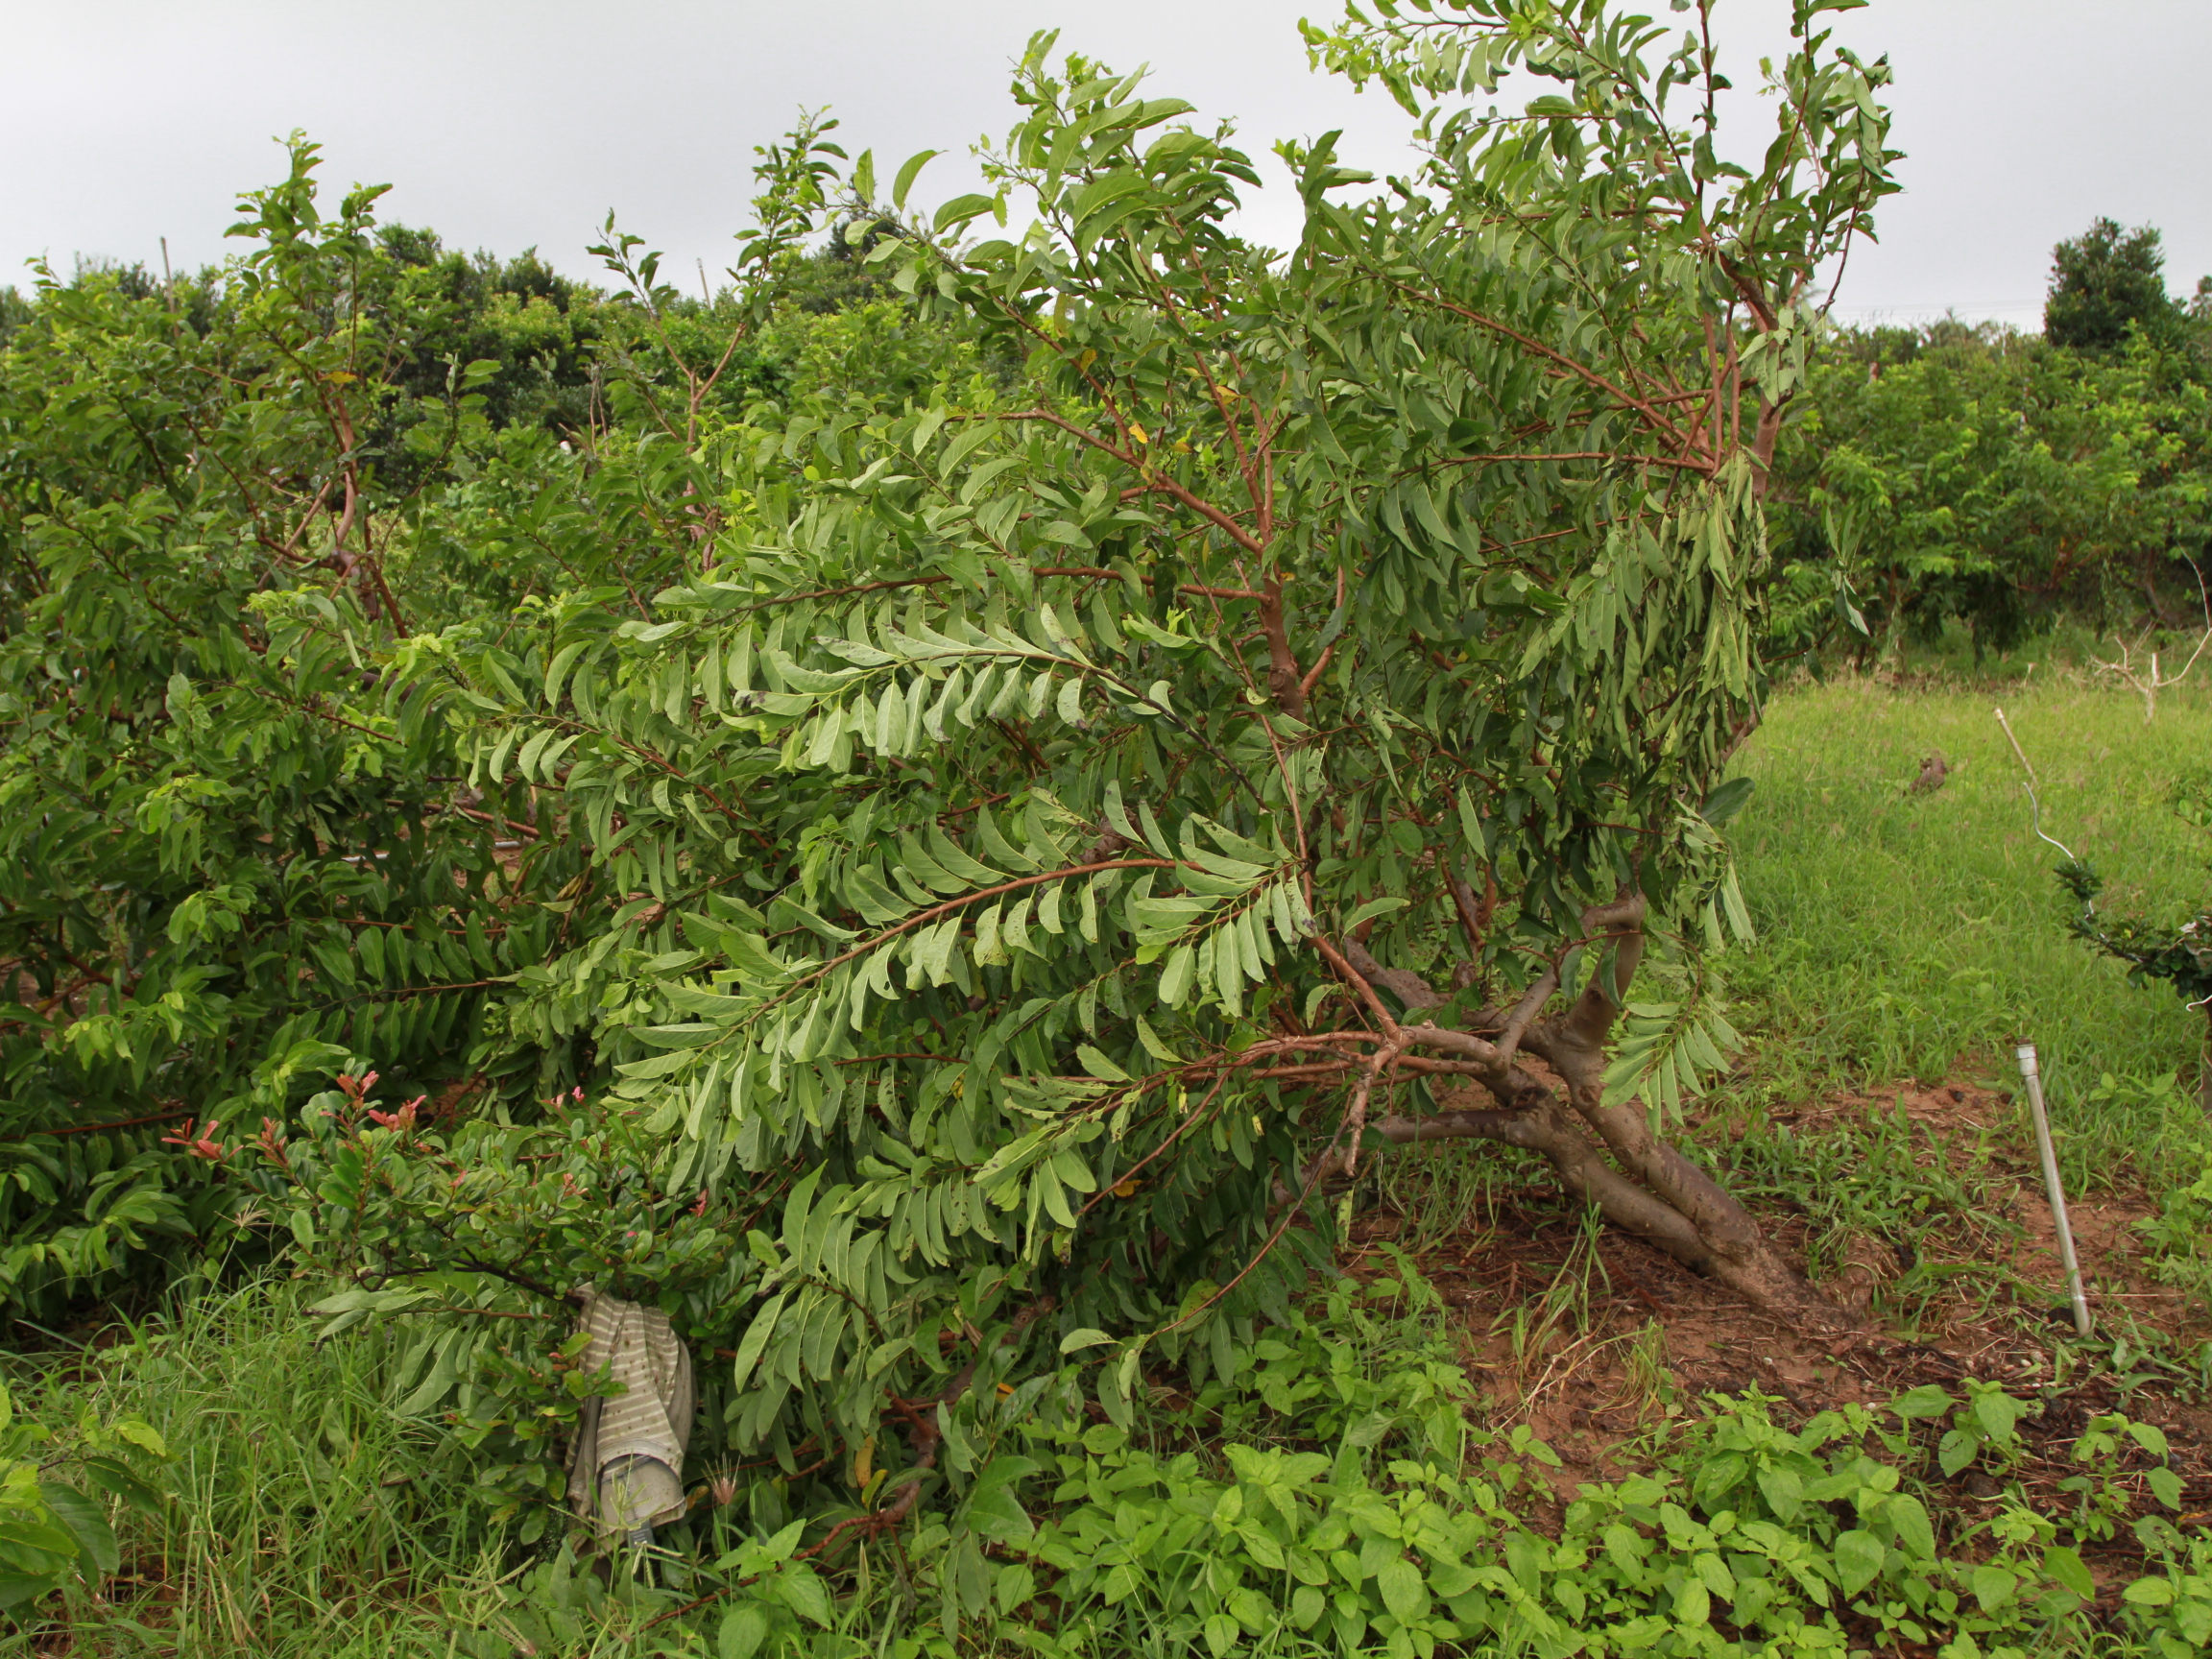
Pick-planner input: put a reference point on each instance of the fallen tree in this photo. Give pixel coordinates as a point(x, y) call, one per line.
point(999, 862)
point(1060, 818)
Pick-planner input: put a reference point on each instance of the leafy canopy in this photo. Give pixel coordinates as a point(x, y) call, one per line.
point(988, 860)
point(2105, 283)
point(1001, 796)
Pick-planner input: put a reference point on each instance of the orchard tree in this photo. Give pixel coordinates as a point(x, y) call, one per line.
point(2105, 283)
point(1998, 482)
point(215, 882)
point(226, 864)
point(1057, 832)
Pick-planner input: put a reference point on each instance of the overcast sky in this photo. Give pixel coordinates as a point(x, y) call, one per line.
point(506, 125)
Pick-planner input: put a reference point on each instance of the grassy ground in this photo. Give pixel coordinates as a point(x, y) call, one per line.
point(310, 1518)
point(1905, 941)
point(1918, 936)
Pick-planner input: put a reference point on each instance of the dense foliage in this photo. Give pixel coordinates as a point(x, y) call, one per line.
point(2009, 483)
point(1330, 1493)
point(221, 501)
point(928, 861)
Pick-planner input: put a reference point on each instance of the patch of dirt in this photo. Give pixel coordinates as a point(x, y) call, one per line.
point(1596, 1341)
point(1945, 1105)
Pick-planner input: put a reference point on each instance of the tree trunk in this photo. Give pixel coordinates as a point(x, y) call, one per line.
point(1604, 1155)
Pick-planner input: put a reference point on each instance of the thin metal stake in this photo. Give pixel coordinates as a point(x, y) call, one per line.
point(2034, 1081)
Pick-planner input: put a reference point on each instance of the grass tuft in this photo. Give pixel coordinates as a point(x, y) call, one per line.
point(309, 1517)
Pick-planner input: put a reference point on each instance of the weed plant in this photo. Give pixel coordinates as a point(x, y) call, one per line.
point(307, 1515)
point(1881, 1175)
point(1324, 1492)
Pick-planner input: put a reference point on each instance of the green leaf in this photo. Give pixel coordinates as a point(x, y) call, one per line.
point(1997, 1413)
point(744, 1627)
point(1403, 1592)
point(953, 857)
point(1175, 979)
point(908, 171)
point(86, 1524)
point(31, 1546)
point(1727, 801)
point(1859, 1558)
point(118, 1481)
point(1993, 1586)
point(141, 1435)
point(1100, 1066)
point(16, 1588)
point(558, 670)
point(756, 1340)
point(2149, 1436)
point(1117, 815)
point(806, 1595)
point(2066, 1566)
point(1152, 1045)
point(1372, 909)
point(1782, 1487)
point(1693, 1603)
point(962, 208)
point(1910, 1526)
point(1045, 1183)
point(1925, 1401)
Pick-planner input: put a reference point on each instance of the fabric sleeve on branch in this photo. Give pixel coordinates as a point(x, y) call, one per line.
point(626, 1461)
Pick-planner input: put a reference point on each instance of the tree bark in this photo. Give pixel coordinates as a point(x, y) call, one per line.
point(1604, 1155)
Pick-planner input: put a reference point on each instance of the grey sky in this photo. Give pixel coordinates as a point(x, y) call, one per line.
point(505, 125)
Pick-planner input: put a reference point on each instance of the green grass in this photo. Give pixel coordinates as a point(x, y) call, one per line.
point(310, 1518)
point(1919, 936)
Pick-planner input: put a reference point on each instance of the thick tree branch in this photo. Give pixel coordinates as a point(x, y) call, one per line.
point(1410, 988)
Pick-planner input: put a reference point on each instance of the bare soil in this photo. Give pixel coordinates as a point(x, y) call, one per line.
point(1657, 1338)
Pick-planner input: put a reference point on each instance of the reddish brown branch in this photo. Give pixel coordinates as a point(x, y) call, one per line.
point(118, 1123)
point(1580, 371)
